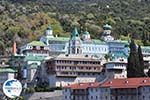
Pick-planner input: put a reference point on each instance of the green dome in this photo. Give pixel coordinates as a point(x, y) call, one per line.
point(49, 28)
point(86, 33)
point(107, 26)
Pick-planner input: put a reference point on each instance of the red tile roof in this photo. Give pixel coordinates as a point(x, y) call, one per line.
point(127, 83)
point(114, 83)
point(83, 85)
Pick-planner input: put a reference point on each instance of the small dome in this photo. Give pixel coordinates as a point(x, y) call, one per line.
point(86, 36)
point(49, 31)
point(107, 26)
point(86, 33)
point(49, 28)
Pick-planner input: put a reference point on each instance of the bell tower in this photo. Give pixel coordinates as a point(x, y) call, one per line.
point(107, 33)
point(49, 32)
point(75, 43)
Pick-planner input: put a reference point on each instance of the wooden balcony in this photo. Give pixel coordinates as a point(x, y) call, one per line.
point(60, 74)
point(70, 64)
point(80, 70)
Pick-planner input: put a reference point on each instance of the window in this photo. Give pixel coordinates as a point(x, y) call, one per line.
point(93, 48)
point(106, 97)
point(89, 48)
point(91, 90)
point(96, 97)
point(81, 67)
point(65, 97)
point(65, 90)
point(96, 89)
point(143, 89)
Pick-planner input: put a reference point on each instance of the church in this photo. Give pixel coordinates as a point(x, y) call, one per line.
point(79, 43)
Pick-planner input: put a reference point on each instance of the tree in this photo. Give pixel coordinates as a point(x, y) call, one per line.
point(140, 56)
point(107, 56)
point(141, 61)
point(2, 48)
point(19, 73)
point(135, 67)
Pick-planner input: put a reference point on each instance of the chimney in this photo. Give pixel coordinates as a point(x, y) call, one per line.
point(14, 49)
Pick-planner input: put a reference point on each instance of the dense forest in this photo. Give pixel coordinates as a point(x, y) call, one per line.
point(25, 20)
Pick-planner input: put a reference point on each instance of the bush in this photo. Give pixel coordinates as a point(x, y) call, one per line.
point(58, 88)
point(43, 89)
point(47, 89)
point(30, 90)
point(19, 98)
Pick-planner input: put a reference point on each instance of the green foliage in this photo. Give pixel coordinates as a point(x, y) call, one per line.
point(44, 89)
point(30, 90)
point(19, 73)
point(122, 37)
point(138, 42)
point(58, 88)
point(135, 66)
point(29, 18)
point(19, 98)
point(2, 47)
point(108, 56)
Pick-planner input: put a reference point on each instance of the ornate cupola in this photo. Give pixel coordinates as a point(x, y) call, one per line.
point(49, 32)
point(107, 29)
point(86, 36)
point(75, 43)
point(107, 33)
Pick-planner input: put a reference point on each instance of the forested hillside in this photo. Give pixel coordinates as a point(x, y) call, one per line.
point(25, 20)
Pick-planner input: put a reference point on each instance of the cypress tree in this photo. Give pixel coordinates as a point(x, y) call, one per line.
point(141, 61)
point(131, 60)
point(19, 73)
point(140, 56)
point(134, 68)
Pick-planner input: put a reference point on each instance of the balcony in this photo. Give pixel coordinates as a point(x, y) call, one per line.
point(80, 70)
point(116, 67)
point(65, 74)
point(71, 64)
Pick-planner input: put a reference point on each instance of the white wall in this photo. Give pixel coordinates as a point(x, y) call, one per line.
point(31, 62)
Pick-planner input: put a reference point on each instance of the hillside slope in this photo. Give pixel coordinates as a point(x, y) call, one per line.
point(26, 20)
